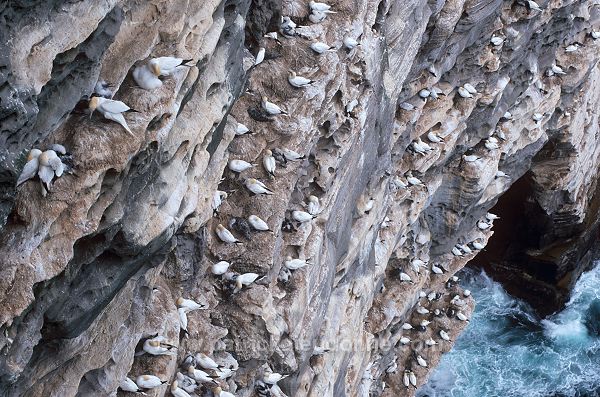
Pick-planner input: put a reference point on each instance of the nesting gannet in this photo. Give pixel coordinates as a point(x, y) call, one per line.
point(149, 381)
point(200, 376)
point(224, 373)
point(31, 167)
point(557, 69)
point(313, 206)
point(467, 293)
point(496, 40)
point(456, 251)
point(239, 165)
point(465, 248)
point(595, 35)
point(501, 174)
point(483, 225)
point(572, 48)
point(406, 378)
point(537, 117)
point(477, 245)
point(321, 7)
point(295, 264)
point(430, 342)
point(205, 361)
point(424, 93)
point(422, 310)
point(350, 42)
point(421, 361)
point(217, 200)
point(464, 93)
point(469, 87)
point(301, 216)
point(271, 378)
point(165, 66)
point(111, 110)
point(257, 187)
point(461, 316)
point(444, 335)
point(258, 224)
point(532, 5)
point(416, 265)
point(146, 77)
point(220, 268)
point(183, 320)
point(491, 217)
point(398, 183)
point(157, 347)
point(189, 304)
point(507, 115)
point(103, 89)
point(292, 155)
point(129, 385)
point(243, 280)
point(317, 16)
point(269, 162)
point(470, 158)
point(490, 144)
point(241, 129)
point(413, 379)
point(271, 108)
point(218, 392)
point(287, 26)
point(186, 383)
point(405, 340)
point(226, 236)
point(49, 166)
point(407, 106)
point(273, 36)
point(176, 391)
point(405, 277)
point(298, 81)
point(320, 47)
point(406, 326)
point(434, 138)
point(414, 181)
point(260, 56)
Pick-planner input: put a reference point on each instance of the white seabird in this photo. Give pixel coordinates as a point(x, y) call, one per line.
point(317, 16)
point(405, 340)
point(189, 304)
point(405, 277)
point(461, 316)
point(491, 217)
point(313, 206)
point(302, 216)
point(31, 167)
point(350, 42)
point(183, 320)
point(111, 110)
point(239, 165)
point(205, 361)
point(456, 251)
point(413, 379)
point(537, 117)
point(218, 392)
point(271, 378)
point(271, 108)
point(470, 158)
point(464, 93)
point(294, 264)
point(430, 342)
point(50, 166)
point(291, 155)
point(217, 200)
point(258, 224)
point(260, 56)
point(257, 187)
point(406, 326)
point(241, 129)
point(103, 89)
point(478, 245)
point(407, 106)
point(245, 279)
point(421, 361)
point(414, 181)
point(469, 87)
point(129, 385)
point(424, 93)
point(483, 225)
point(156, 347)
point(321, 7)
point(298, 81)
point(269, 162)
point(595, 35)
point(436, 270)
point(220, 268)
point(434, 138)
point(226, 236)
point(422, 310)
point(146, 78)
point(200, 376)
point(406, 378)
point(320, 47)
point(496, 40)
point(165, 66)
point(557, 69)
point(444, 335)
point(501, 174)
point(149, 381)
point(176, 391)
point(572, 48)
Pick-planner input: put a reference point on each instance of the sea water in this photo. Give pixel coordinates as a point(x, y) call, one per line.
point(506, 350)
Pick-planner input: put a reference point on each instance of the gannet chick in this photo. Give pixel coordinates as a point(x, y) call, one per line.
point(111, 110)
point(464, 93)
point(258, 224)
point(155, 347)
point(317, 16)
point(287, 26)
point(405, 277)
point(406, 326)
point(165, 66)
point(501, 174)
point(461, 316)
point(295, 264)
point(186, 383)
point(313, 206)
point(405, 340)
point(257, 187)
point(407, 106)
point(103, 89)
point(129, 385)
point(444, 335)
point(301, 216)
point(298, 81)
point(217, 200)
point(271, 108)
point(434, 138)
point(271, 378)
point(226, 236)
point(496, 40)
point(243, 280)
point(218, 392)
point(239, 165)
point(491, 217)
point(31, 167)
point(421, 361)
point(470, 88)
point(189, 304)
point(146, 77)
point(241, 129)
point(320, 47)
point(292, 155)
point(149, 381)
point(350, 42)
point(260, 56)
point(220, 268)
point(200, 376)
point(269, 162)
point(321, 7)
point(176, 391)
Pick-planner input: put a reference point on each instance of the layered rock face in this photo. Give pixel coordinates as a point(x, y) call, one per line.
point(96, 266)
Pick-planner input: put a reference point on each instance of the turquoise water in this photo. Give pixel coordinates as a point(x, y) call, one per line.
point(508, 351)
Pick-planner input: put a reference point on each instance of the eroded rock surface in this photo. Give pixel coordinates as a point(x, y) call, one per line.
point(97, 265)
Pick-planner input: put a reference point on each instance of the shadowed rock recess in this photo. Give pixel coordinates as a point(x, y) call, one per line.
point(95, 267)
